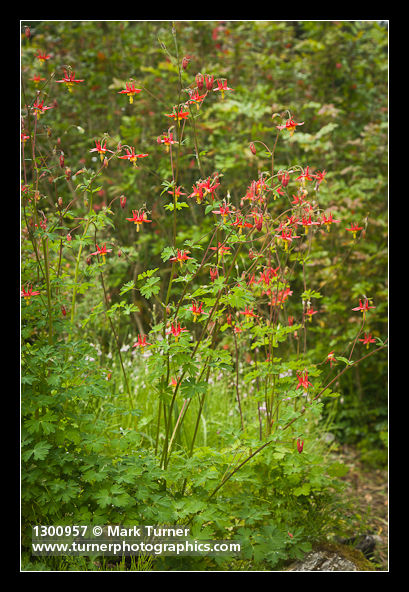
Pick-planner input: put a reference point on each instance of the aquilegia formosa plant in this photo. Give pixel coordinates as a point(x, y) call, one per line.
point(222, 302)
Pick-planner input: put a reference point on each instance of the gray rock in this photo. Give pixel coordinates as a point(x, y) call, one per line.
point(324, 560)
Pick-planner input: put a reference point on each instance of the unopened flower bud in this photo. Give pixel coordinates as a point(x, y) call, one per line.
point(285, 179)
point(69, 237)
point(62, 160)
point(122, 201)
point(185, 62)
point(105, 162)
point(68, 173)
point(252, 148)
point(27, 32)
point(199, 81)
point(209, 82)
point(59, 201)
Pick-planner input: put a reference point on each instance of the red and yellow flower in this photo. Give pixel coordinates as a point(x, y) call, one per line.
point(138, 217)
point(130, 91)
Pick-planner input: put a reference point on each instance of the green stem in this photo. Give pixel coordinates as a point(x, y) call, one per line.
point(77, 264)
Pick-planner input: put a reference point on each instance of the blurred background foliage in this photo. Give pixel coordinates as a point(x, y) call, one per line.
point(332, 75)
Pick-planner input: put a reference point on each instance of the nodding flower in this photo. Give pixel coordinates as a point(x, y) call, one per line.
point(42, 56)
point(181, 256)
point(290, 125)
point(300, 445)
point(354, 229)
point(328, 220)
point(132, 156)
point(27, 292)
point(367, 340)
point(303, 380)
point(221, 249)
point(364, 307)
point(130, 91)
point(39, 107)
point(167, 140)
point(176, 330)
point(101, 149)
point(69, 79)
point(309, 312)
point(196, 310)
point(138, 218)
point(222, 87)
point(102, 251)
point(178, 114)
point(331, 358)
point(141, 342)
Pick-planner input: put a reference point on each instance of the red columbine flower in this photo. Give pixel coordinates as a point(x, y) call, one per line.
point(223, 210)
point(39, 107)
point(286, 236)
point(328, 221)
point(141, 342)
point(307, 222)
point(221, 249)
point(130, 91)
point(331, 358)
point(197, 193)
point(167, 140)
point(196, 310)
point(319, 178)
point(138, 218)
point(298, 200)
point(305, 176)
point(303, 380)
point(24, 137)
point(214, 274)
point(196, 98)
point(300, 445)
point(69, 79)
point(42, 57)
point(176, 330)
point(367, 339)
point(248, 313)
point(354, 229)
point(309, 312)
point(364, 307)
point(241, 223)
point(37, 79)
point(181, 256)
point(210, 185)
point(132, 156)
point(27, 292)
point(176, 191)
point(102, 251)
point(280, 298)
point(178, 114)
point(101, 149)
point(222, 87)
point(290, 125)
